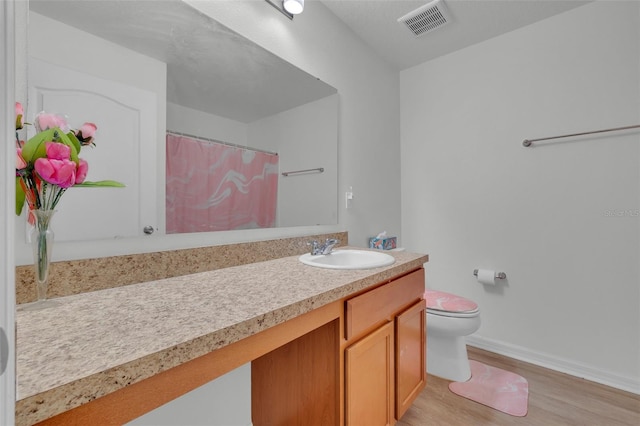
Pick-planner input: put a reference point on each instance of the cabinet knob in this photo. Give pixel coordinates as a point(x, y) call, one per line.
point(148, 229)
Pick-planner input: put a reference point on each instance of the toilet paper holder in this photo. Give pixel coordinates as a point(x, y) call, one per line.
point(499, 275)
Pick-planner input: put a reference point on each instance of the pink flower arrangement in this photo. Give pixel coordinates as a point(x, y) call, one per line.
point(48, 163)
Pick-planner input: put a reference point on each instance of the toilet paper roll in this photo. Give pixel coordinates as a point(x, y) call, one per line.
point(487, 276)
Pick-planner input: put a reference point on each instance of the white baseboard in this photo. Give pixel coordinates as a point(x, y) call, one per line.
point(554, 363)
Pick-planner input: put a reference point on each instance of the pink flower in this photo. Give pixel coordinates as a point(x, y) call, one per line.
point(46, 121)
point(57, 151)
point(81, 172)
point(56, 172)
point(86, 133)
point(57, 168)
point(50, 169)
point(19, 116)
point(20, 163)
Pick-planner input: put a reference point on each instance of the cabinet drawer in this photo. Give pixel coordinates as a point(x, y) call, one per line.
point(380, 305)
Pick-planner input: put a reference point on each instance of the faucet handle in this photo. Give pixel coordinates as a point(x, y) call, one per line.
point(328, 246)
point(315, 248)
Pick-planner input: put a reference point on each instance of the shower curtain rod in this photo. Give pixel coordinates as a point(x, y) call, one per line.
point(527, 142)
point(221, 142)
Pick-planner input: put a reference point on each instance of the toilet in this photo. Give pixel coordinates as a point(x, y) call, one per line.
point(449, 319)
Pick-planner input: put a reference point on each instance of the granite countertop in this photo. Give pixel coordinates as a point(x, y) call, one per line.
point(71, 353)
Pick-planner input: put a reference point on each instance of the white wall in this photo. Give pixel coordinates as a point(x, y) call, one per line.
point(561, 219)
point(304, 137)
point(225, 401)
point(369, 148)
point(193, 122)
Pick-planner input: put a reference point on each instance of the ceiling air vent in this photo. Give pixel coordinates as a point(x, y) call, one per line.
point(426, 18)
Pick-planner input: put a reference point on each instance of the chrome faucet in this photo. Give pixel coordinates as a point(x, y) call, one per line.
point(326, 248)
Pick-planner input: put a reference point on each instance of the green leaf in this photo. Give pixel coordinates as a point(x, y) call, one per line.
point(64, 138)
point(20, 197)
point(101, 183)
point(35, 147)
point(74, 140)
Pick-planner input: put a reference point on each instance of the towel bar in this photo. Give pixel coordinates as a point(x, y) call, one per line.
point(527, 142)
point(316, 170)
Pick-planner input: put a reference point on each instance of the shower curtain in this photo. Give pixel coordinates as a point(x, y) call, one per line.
point(216, 187)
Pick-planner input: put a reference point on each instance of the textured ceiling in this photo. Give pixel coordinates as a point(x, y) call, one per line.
point(209, 67)
point(473, 21)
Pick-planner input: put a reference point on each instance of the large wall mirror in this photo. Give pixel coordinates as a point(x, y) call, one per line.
point(176, 73)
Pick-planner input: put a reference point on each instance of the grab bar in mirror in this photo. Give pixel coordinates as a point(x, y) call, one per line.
point(298, 172)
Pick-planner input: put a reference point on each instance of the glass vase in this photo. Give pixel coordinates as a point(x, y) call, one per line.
point(42, 242)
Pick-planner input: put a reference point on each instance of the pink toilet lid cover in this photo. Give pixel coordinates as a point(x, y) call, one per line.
point(441, 301)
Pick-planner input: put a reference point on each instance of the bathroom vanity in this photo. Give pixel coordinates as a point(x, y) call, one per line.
point(326, 346)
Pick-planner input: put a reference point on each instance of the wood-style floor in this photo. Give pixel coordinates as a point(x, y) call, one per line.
point(555, 399)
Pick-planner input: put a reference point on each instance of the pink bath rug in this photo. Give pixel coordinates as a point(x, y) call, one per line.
point(495, 388)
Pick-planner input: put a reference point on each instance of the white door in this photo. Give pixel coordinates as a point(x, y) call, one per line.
point(7, 170)
point(125, 151)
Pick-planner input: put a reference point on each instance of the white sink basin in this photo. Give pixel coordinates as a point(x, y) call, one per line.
point(348, 259)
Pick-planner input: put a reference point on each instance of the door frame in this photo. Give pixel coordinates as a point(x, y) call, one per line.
point(7, 207)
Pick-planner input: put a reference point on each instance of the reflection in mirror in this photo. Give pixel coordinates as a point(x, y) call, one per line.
point(209, 84)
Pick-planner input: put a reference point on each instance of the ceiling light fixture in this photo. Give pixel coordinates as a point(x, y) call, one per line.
point(280, 7)
point(294, 7)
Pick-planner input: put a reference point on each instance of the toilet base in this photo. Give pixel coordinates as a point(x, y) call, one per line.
point(447, 357)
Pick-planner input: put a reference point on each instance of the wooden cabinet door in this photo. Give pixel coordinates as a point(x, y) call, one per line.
point(369, 379)
point(410, 356)
point(297, 383)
